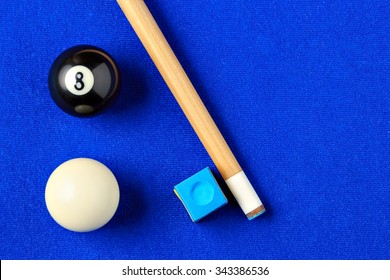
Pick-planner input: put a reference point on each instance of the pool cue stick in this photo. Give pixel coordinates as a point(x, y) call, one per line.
point(185, 94)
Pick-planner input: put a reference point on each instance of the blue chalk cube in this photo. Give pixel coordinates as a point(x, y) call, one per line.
point(200, 194)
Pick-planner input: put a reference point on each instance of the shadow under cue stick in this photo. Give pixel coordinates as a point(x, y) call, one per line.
point(181, 87)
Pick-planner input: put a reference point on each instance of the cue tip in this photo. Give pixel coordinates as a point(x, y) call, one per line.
point(245, 195)
point(255, 213)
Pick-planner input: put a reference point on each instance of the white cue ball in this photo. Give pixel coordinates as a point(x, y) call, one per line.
point(82, 194)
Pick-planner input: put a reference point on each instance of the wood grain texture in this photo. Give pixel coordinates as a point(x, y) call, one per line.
point(180, 85)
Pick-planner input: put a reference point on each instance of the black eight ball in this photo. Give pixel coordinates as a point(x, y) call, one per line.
point(83, 80)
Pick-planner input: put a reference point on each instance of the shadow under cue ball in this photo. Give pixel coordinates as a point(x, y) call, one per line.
point(83, 80)
point(82, 194)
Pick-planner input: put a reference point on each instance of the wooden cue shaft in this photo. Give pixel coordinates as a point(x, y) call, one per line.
point(185, 94)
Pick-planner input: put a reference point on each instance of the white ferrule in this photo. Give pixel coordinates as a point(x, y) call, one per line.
point(243, 192)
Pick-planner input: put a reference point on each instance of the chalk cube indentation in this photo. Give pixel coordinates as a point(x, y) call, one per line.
point(200, 194)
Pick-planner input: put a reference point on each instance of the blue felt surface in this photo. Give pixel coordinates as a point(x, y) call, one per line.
point(300, 90)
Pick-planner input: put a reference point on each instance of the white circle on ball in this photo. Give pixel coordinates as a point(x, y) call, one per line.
point(79, 80)
point(82, 195)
